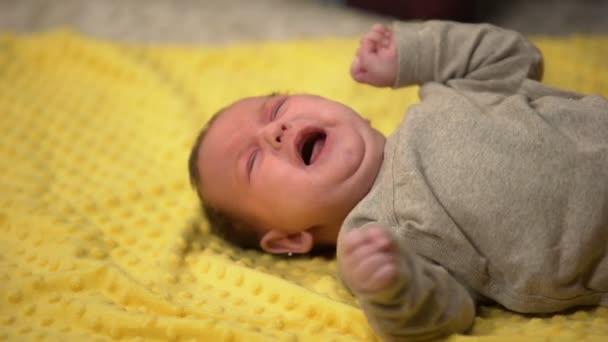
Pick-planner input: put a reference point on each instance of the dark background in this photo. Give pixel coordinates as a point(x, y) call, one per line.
point(228, 21)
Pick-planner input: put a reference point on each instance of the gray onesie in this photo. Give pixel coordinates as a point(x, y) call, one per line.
point(495, 186)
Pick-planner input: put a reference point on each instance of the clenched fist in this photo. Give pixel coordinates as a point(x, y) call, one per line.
point(376, 60)
point(368, 259)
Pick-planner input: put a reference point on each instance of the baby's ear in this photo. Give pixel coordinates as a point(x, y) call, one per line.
point(278, 242)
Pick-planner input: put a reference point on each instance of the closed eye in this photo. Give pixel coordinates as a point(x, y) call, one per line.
point(251, 162)
point(275, 110)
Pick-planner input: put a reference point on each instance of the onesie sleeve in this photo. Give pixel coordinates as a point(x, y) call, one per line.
point(480, 56)
point(425, 303)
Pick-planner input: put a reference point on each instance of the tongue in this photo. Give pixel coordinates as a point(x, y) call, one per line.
point(316, 150)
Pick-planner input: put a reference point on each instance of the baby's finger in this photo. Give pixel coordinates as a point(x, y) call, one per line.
point(382, 277)
point(380, 28)
point(362, 76)
point(379, 236)
point(351, 241)
point(363, 252)
point(366, 45)
point(363, 268)
point(375, 273)
point(383, 243)
point(387, 37)
point(388, 33)
point(374, 36)
point(370, 264)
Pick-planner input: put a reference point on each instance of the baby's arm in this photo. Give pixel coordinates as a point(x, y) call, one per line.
point(441, 51)
point(404, 296)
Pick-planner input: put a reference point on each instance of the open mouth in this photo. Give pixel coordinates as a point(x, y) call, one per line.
point(311, 146)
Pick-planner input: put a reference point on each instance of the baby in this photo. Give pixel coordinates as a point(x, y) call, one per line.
point(493, 189)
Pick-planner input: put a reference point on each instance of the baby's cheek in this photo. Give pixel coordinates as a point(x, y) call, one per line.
point(275, 169)
point(285, 183)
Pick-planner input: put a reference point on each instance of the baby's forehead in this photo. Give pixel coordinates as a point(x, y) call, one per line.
point(243, 104)
point(239, 108)
point(226, 130)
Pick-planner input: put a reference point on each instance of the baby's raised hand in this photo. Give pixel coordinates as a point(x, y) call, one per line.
point(368, 259)
point(375, 62)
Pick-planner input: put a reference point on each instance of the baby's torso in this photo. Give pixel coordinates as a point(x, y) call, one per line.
point(511, 198)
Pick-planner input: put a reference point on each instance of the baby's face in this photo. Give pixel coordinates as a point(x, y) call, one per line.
point(290, 162)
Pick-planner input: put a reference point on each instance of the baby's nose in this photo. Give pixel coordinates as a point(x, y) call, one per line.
point(274, 133)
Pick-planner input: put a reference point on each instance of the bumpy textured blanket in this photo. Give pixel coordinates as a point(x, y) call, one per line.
point(100, 234)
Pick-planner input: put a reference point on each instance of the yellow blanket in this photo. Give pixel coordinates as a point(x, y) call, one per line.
point(100, 237)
